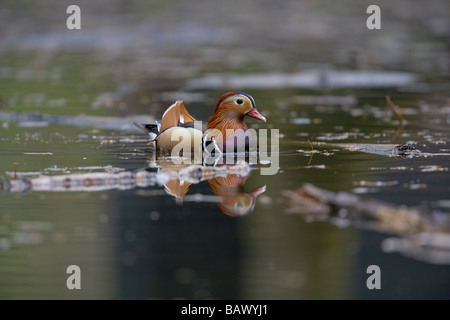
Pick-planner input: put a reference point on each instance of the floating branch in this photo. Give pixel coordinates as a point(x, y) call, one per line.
point(424, 233)
point(100, 181)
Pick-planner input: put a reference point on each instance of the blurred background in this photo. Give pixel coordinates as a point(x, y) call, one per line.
point(316, 72)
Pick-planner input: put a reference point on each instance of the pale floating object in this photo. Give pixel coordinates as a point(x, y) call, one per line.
point(306, 79)
point(32, 119)
point(328, 100)
point(23, 174)
point(300, 121)
point(33, 124)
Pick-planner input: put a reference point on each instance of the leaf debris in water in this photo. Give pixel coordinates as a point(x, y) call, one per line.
point(415, 186)
point(38, 153)
point(377, 168)
point(300, 121)
point(314, 151)
point(326, 100)
point(316, 166)
point(432, 168)
point(390, 150)
point(400, 168)
point(55, 169)
point(331, 137)
point(375, 183)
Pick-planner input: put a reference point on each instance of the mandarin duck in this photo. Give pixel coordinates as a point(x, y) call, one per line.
point(222, 129)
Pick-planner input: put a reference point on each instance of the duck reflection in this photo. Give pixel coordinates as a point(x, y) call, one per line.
point(231, 196)
point(235, 201)
point(177, 188)
point(227, 182)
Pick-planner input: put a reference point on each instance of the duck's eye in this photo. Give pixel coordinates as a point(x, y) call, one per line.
point(239, 101)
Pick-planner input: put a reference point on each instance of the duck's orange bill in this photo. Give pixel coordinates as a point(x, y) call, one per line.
point(255, 114)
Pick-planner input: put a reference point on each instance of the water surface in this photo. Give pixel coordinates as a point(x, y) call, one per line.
point(80, 185)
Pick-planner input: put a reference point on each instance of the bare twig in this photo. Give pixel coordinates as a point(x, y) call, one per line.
point(395, 109)
point(312, 152)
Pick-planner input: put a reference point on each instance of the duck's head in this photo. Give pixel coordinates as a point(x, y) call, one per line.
point(235, 105)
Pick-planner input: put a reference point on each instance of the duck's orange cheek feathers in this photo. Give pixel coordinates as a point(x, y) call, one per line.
point(179, 138)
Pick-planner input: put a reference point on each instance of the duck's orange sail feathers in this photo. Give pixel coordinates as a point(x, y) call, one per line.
point(175, 115)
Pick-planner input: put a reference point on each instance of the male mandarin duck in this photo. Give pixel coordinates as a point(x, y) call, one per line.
point(222, 128)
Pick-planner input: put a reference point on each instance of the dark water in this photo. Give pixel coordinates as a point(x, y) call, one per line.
point(322, 82)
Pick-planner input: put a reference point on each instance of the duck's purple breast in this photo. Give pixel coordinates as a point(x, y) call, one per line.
point(242, 140)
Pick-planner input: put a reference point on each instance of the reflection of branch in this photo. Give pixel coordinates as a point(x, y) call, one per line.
point(432, 247)
point(412, 224)
point(15, 169)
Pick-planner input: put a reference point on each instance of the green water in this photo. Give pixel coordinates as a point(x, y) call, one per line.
point(134, 58)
